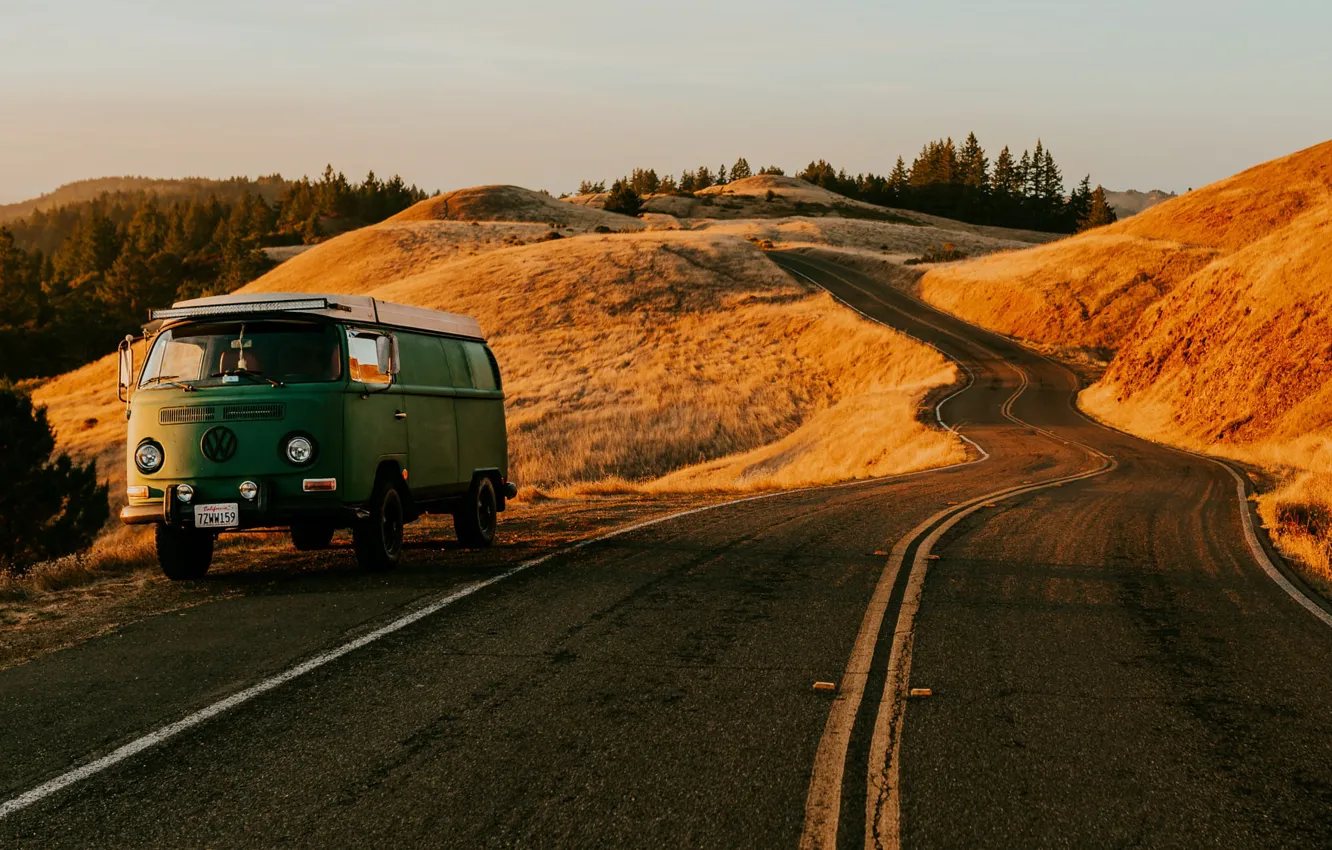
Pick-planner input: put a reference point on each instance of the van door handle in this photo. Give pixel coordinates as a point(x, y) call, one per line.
point(398, 414)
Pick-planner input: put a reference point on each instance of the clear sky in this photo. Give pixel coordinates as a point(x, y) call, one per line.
point(1166, 93)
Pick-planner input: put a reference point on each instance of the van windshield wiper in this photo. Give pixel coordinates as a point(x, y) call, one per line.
point(166, 379)
point(248, 373)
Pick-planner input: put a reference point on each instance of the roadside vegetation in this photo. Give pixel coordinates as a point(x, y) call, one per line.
point(50, 506)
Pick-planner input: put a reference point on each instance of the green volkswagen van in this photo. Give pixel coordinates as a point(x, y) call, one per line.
point(313, 413)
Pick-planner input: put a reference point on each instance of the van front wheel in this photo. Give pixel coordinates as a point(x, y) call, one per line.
point(184, 553)
point(378, 538)
point(475, 522)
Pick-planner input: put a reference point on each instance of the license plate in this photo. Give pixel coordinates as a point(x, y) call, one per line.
point(217, 516)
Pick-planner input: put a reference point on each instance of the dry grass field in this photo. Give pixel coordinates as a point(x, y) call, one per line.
point(1216, 307)
point(629, 357)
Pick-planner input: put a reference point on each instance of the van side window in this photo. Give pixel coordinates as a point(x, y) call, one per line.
point(363, 357)
point(484, 376)
point(423, 361)
point(453, 352)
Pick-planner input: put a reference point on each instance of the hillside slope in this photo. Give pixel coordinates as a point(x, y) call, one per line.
point(168, 188)
point(1087, 291)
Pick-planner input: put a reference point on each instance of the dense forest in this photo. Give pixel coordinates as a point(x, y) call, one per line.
point(944, 179)
point(76, 278)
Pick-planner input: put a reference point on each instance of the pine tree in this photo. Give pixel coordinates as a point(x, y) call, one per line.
point(897, 184)
point(740, 170)
point(973, 167)
point(1079, 203)
point(721, 175)
point(1099, 211)
point(703, 178)
point(644, 181)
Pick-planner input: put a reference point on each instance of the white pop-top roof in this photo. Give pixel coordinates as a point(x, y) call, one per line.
point(349, 308)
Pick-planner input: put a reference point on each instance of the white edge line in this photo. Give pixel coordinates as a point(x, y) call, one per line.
point(1255, 546)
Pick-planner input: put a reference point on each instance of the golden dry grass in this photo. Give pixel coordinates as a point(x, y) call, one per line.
point(1218, 306)
point(631, 357)
point(1088, 291)
point(897, 241)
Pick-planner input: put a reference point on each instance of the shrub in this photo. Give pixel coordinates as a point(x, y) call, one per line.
point(934, 254)
point(623, 199)
point(769, 195)
point(601, 228)
point(49, 505)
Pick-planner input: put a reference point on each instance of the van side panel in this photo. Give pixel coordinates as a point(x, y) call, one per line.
point(432, 434)
point(479, 406)
point(373, 434)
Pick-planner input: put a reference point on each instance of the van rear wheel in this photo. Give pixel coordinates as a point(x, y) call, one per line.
point(378, 538)
point(183, 553)
point(475, 522)
point(311, 536)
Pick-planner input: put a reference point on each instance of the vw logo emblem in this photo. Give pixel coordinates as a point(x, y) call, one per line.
point(219, 444)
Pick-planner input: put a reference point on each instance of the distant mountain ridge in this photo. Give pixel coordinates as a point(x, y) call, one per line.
point(1131, 201)
point(269, 187)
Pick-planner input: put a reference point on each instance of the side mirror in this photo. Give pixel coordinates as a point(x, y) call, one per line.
point(386, 355)
point(125, 356)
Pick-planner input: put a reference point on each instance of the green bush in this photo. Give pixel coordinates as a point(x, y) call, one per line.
point(49, 505)
point(623, 199)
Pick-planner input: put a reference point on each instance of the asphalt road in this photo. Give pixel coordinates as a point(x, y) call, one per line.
point(1107, 664)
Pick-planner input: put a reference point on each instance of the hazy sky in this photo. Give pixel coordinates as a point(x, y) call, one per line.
point(1166, 93)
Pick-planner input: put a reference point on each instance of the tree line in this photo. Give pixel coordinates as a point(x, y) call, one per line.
point(76, 278)
point(944, 179)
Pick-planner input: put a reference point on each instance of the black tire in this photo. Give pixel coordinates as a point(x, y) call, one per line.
point(378, 538)
point(311, 536)
point(184, 553)
point(475, 522)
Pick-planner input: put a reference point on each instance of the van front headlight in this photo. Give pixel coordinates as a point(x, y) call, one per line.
point(148, 456)
point(300, 449)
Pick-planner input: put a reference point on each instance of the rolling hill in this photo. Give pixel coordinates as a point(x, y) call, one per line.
point(1131, 201)
point(168, 188)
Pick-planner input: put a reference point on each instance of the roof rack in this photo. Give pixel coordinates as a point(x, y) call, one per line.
point(343, 308)
point(240, 307)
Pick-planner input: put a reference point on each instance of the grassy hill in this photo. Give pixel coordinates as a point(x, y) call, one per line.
point(1216, 308)
point(1131, 201)
point(176, 188)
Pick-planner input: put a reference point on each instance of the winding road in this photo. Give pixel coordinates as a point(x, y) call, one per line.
point(1075, 638)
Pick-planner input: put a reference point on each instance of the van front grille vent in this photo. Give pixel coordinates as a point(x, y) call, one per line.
point(186, 415)
point(250, 412)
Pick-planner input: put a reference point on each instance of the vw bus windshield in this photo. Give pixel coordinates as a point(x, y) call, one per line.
point(260, 352)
